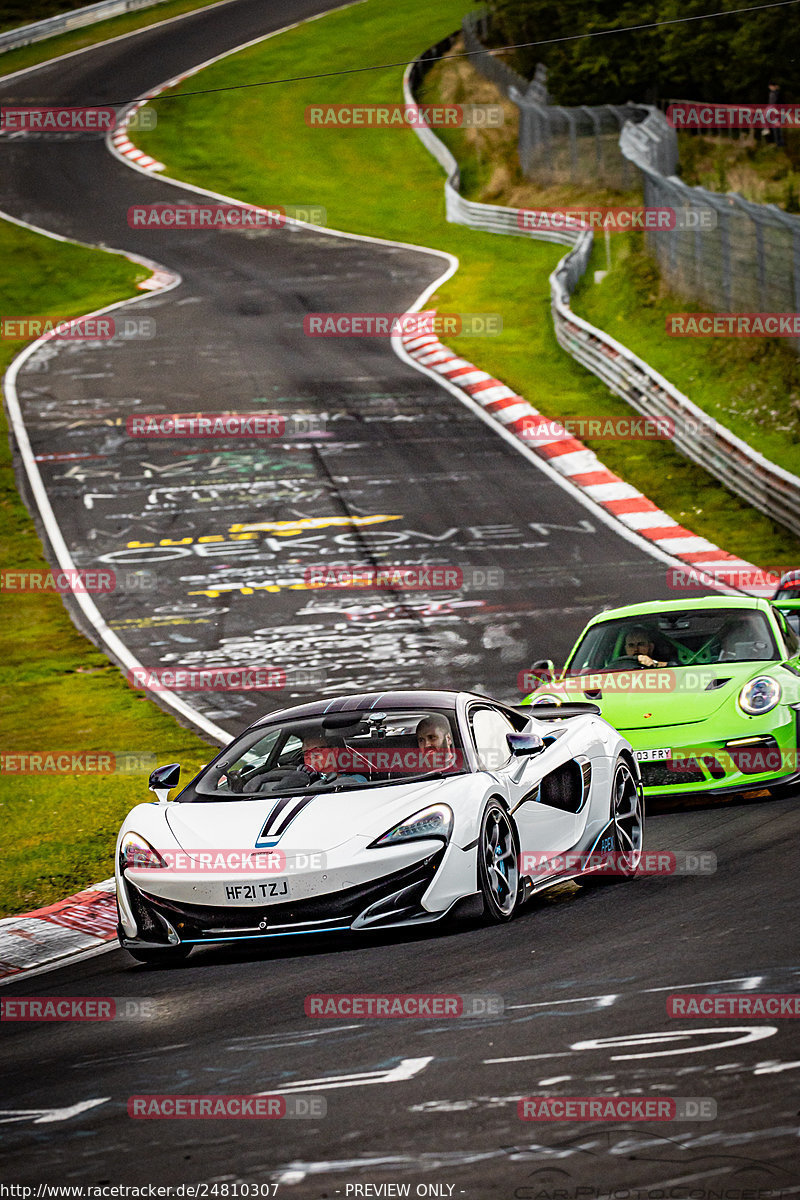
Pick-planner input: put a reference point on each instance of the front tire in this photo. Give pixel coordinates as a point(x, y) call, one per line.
point(498, 864)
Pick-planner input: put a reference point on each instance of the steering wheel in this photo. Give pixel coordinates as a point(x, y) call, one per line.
point(627, 660)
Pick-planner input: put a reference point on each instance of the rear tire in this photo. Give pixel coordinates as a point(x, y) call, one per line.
point(626, 829)
point(498, 864)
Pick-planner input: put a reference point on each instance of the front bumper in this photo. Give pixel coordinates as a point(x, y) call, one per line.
point(762, 756)
point(394, 899)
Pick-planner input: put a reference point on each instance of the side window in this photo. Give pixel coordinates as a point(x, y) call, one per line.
point(489, 729)
point(290, 752)
point(789, 636)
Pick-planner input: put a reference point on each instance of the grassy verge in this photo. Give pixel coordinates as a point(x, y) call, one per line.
point(89, 35)
point(57, 691)
point(749, 164)
point(384, 183)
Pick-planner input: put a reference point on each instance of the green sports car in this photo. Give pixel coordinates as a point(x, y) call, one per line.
point(706, 690)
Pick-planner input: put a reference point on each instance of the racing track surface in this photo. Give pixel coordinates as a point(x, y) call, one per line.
point(399, 448)
point(577, 967)
point(426, 1102)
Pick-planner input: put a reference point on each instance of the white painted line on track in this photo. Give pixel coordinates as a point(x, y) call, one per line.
point(113, 645)
point(407, 1068)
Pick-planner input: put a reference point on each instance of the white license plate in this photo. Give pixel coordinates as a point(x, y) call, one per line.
point(653, 755)
point(266, 892)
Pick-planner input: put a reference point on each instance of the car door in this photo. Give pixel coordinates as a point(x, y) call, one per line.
point(542, 828)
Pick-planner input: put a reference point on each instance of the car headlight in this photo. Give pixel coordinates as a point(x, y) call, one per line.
point(134, 851)
point(759, 695)
point(433, 822)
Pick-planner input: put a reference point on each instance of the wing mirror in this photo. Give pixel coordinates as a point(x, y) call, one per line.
point(542, 671)
point(163, 780)
point(524, 743)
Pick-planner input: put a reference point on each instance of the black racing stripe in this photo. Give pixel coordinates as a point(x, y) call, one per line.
point(295, 812)
point(275, 813)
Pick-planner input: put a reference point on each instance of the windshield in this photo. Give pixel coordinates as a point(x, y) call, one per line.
point(336, 751)
point(675, 639)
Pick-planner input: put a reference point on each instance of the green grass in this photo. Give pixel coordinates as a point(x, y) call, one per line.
point(57, 691)
point(750, 385)
point(89, 35)
point(384, 183)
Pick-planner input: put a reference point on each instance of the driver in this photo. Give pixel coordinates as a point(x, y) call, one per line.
point(435, 740)
point(319, 756)
point(639, 645)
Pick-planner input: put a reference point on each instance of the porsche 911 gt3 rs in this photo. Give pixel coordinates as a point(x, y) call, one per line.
point(374, 811)
point(707, 690)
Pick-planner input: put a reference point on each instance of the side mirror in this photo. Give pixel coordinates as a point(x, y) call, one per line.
point(544, 670)
point(524, 743)
point(163, 780)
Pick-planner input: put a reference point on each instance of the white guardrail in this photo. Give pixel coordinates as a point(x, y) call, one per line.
point(74, 19)
point(762, 483)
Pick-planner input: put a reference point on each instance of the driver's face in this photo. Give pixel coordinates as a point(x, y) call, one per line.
point(637, 644)
point(431, 737)
point(317, 755)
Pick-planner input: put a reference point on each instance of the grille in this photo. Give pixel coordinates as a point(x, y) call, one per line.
point(194, 920)
point(764, 755)
point(660, 775)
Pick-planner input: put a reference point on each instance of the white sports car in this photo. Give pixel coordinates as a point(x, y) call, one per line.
point(372, 811)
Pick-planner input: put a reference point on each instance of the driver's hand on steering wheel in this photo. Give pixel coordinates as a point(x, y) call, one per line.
point(645, 660)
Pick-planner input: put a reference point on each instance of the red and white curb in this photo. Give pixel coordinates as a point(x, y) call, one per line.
point(573, 461)
point(125, 147)
point(62, 931)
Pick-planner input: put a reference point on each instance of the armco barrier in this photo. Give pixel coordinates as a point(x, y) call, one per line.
point(62, 23)
point(768, 487)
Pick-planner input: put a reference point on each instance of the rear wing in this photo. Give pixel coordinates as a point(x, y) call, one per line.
point(555, 712)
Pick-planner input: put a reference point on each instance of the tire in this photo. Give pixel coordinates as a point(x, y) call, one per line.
point(626, 817)
point(498, 864)
point(170, 956)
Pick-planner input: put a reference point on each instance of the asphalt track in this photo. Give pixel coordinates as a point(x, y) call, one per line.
point(426, 1103)
point(576, 970)
point(397, 447)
